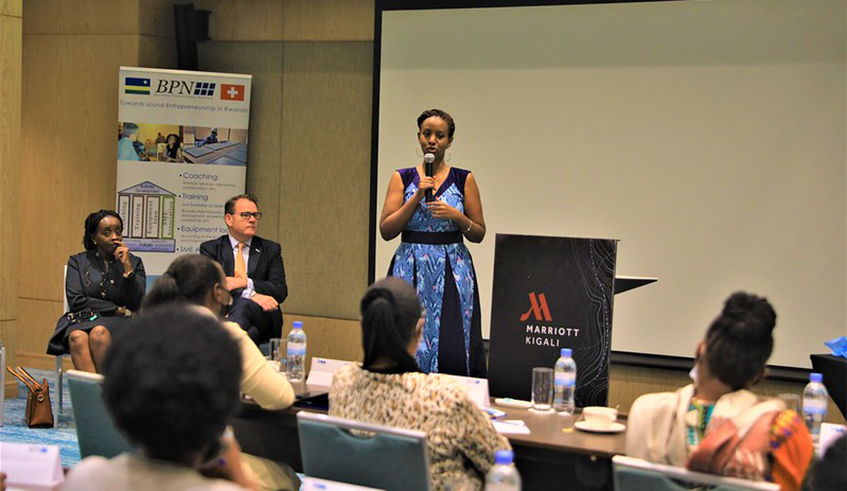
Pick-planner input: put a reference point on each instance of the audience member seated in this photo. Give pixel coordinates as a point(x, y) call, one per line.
point(127, 139)
point(716, 424)
point(104, 285)
point(171, 384)
point(390, 390)
point(213, 136)
point(199, 281)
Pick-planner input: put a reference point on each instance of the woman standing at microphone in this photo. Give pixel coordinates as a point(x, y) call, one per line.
point(432, 255)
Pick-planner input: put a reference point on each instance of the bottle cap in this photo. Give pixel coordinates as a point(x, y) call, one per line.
point(503, 457)
point(816, 377)
point(566, 352)
point(298, 325)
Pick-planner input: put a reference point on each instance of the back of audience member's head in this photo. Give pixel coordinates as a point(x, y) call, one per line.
point(739, 342)
point(171, 383)
point(390, 313)
point(190, 278)
point(828, 473)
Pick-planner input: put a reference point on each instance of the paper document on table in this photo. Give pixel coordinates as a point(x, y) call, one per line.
point(30, 466)
point(829, 433)
point(512, 427)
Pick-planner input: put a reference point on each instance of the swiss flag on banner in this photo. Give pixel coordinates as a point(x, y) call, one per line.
point(232, 92)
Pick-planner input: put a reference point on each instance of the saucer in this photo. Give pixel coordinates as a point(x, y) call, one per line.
point(613, 428)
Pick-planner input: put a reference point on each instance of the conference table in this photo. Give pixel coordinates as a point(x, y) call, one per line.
point(554, 455)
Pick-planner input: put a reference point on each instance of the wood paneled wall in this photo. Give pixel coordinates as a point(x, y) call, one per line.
point(310, 133)
point(71, 55)
point(309, 148)
point(290, 20)
point(11, 38)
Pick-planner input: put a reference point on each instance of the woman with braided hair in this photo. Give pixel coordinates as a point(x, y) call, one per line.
point(104, 286)
point(389, 389)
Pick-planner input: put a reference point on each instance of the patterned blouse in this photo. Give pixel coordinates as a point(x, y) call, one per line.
point(696, 421)
point(460, 437)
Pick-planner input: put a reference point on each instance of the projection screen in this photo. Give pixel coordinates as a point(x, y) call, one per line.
point(707, 136)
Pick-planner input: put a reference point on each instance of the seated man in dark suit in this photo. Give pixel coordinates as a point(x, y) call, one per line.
point(255, 274)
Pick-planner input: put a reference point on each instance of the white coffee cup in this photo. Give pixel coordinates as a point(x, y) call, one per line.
point(600, 416)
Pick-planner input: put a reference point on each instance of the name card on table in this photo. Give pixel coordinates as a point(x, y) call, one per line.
point(313, 484)
point(477, 388)
point(829, 433)
point(31, 466)
point(322, 370)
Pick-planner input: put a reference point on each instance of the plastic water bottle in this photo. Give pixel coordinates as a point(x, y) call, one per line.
point(296, 354)
point(2, 382)
point(503, 476)
point(564, 383)
point(815, 398)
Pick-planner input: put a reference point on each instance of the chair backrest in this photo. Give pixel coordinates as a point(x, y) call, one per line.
point(632, 474)
point(95, 430)
point(65, 289)
point(382, 457)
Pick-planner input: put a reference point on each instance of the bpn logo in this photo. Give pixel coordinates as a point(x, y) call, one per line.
point(537, 308)
point(186, 88)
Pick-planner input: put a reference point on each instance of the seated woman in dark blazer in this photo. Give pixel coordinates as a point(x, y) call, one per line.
point(104, 285)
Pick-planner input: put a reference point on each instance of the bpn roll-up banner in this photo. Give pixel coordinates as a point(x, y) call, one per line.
point(182, 152)
point(551, 293)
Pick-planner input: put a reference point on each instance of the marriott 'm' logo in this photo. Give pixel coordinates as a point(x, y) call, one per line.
point(537, 308)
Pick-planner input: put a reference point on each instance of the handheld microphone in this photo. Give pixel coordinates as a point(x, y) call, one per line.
point(428, 160)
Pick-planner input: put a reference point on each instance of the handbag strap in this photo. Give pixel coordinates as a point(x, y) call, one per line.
point(25, 378)
point(31, 378)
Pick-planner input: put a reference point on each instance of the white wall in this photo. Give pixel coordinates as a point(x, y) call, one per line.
point(708, 136)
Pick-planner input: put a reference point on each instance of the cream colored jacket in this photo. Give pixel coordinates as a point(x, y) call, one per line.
point(656, 426)
point(269, 388)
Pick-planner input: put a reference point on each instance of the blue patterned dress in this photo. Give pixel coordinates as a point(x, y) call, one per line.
point(444, 277)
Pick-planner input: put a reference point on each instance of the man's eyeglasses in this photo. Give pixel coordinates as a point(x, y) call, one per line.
point(245, 215)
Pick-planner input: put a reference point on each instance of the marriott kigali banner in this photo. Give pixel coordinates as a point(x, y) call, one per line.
point(551, 293)
point(182, 152)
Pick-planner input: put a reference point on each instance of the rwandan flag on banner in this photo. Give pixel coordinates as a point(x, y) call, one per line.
point(137, 85)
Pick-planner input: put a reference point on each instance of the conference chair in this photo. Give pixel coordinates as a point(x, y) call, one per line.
point(632, 474)
point(60, 369)
point(95, 430)
point(366, 455)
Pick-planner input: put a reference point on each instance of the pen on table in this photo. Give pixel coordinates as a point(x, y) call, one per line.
point(516, 422)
